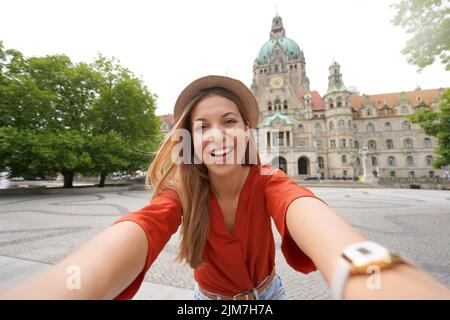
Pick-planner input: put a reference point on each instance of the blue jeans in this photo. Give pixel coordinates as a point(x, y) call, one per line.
point(274, 291)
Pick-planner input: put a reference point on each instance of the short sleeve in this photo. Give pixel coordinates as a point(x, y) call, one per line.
point(160, 220)
point(280, 191)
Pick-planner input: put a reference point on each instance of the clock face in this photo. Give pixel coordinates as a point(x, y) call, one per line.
point(276, 82)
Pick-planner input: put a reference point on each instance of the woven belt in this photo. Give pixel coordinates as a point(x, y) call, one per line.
point(247, 295)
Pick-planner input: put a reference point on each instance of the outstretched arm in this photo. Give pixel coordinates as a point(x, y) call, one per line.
point(106, 265)
point(322, 234)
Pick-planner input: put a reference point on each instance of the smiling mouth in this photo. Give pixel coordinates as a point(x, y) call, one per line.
point(221, 153)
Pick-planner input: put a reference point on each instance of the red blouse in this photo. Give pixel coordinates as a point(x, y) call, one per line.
point(234, 261)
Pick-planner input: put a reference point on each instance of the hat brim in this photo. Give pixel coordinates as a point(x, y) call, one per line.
point(233, 85)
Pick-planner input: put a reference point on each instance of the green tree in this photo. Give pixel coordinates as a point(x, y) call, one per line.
point(429, 23)
point(437, 124)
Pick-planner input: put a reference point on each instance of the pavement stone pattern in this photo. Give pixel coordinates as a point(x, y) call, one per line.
point(39, 230)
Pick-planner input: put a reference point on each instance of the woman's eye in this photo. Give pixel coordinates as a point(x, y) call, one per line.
point(230, 121)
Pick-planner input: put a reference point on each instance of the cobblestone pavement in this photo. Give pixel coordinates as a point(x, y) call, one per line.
point(45, 228)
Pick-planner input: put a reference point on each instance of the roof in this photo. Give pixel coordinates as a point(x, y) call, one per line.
point(392, 99)
point(268, 121)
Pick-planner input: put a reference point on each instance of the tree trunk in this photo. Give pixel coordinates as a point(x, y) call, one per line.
point(102, 180)
point(68, 179)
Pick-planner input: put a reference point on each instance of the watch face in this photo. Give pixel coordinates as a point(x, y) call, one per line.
point(366, 253)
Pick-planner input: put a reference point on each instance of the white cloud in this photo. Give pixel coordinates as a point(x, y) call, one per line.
point(171, 43)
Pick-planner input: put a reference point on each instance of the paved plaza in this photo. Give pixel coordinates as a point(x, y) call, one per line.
point(39, 230)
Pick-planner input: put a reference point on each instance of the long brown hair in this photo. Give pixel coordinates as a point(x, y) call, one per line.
point(191, 180)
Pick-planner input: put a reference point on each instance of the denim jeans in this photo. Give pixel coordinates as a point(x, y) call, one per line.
point(274, 291)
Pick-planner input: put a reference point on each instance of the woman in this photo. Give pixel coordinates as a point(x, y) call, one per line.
point(207, 177)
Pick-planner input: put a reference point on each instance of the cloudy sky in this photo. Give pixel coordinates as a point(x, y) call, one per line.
point(170, 43)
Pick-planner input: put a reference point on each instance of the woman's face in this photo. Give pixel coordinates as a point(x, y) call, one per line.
point(219, 134)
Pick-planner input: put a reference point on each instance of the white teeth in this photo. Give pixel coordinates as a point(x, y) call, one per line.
point(221, 152)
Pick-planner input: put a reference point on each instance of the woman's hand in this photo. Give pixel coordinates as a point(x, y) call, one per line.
point(322, 234)
point(105, 266)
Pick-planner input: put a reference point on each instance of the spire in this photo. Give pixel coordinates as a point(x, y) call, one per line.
point(335, 82)
point(277, 28)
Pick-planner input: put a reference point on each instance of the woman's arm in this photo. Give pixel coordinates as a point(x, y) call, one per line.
point(106, 265)
point(322, 234)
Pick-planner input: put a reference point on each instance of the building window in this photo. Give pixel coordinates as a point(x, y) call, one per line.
point(301, 129)
point(320, 162)
point(339, 102)
point(344, 158)
point(374, 161)
point(285, 105)
point(332, 144)
point(342, 143)
point(406, 125)
point(317, 128)
point(278, 139)
point(427, 143)
point(341, 124)
point(319, 144)
point(269, 106)
point(429, 160)
point(331, 124)
point(389, 144)
point(404, 109)
point(370, 127)
point(344, 172)
point(330, 103)
point(392, 174)
point(387, 126)
point(411, 174)
point(409, 161)
point(369, 112)
point(407, 143)
point(372, 144)
point(350, 143)
point(355, 128)
point(431, 174)
point(391, 161)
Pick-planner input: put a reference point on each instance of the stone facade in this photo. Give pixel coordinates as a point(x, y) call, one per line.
point(339, 134)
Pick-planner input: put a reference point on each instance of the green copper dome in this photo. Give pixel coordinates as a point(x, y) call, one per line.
point(289, 46)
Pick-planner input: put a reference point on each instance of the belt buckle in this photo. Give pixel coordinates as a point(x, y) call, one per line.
point(240, 294)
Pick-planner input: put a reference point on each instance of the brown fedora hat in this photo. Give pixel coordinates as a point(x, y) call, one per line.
point(233, 85)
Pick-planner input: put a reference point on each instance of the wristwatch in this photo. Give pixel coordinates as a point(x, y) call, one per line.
point(357, 259)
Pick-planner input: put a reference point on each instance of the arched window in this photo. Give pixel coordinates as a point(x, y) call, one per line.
point(370, 127)
point(356, 144)
point(339, 102)
point(285, 105)
point(372, 144)
point(409, 161)
point(320, 162)
point(427, 143)
point(389, 144)
point(269, 106)
point(301, 129)
point(406, 125)
point(341, 124)
point(374, 161)
point(391, 161)
point(331, 124)
point(429, 160)
point(330, 103)
point(387, 126)
point(407, 143)
point(317, 127)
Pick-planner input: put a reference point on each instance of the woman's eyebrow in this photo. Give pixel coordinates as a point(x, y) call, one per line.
point(223, 116)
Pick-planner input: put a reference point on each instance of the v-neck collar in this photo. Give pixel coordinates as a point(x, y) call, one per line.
point(221, 217)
